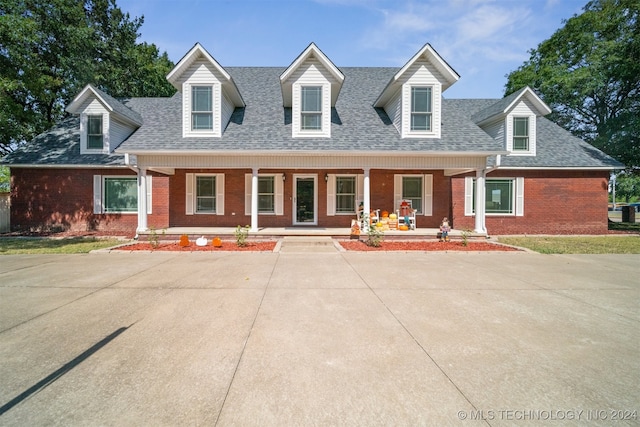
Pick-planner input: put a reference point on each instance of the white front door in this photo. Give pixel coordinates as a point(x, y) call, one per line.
point(305, 200)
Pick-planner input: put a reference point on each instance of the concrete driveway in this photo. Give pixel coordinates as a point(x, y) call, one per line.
point(303, 338)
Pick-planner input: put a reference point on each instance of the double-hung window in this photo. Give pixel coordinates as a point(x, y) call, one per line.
point(95, 136)
point(500, 196)
point(266, 194)
point(520, 134)
point(311, 111)
point(421, 109)
point(120, 194)
point(412, 190)
point(205, 194)
point(345, 194)
point(201, 108)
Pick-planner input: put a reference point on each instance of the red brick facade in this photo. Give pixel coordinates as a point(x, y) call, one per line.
point(555, 202)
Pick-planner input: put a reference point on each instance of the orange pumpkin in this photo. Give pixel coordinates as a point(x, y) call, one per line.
point(216, 242)
point(403, 228)
point(385, 214)
point(184, 240)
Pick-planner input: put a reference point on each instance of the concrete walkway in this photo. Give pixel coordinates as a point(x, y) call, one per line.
point(319, 338)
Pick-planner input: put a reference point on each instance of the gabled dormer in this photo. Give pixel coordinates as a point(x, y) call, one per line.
point(413, 97)
point(104, 121)
point(209, 94)
point(310, 87)
point(512, 121)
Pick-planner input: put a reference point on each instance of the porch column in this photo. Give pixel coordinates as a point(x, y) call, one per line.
point(254, 199)
point(366, 194)
point(142, 200)
point(480, 226)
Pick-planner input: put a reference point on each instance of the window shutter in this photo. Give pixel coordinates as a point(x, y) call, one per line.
point(149, 193)
point(220, 194)
point(331, 195)
point(279, 196)
point(397, 191)
point(97, 194)
point(247, 194)
point(468, 196)
point(189, 194)
point(360, 188)
point(520, 196)
point(428, 195)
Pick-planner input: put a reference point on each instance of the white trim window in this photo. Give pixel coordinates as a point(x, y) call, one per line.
point(270, 194)
point(116, 194)
point(421, 109)
point(417, 188)
point(311, 108)
point(201, 108)
point(503, 196)
point(521, 134)
point(346, 192)
point(95, 135)
point(205, 194)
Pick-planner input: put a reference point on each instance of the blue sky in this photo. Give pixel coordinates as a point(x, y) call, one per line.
point(483, 40)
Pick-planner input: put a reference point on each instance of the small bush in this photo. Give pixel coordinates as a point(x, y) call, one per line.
point(241, 235)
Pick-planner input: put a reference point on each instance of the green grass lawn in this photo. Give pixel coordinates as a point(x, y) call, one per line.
point(577, 245)
point(38, 245)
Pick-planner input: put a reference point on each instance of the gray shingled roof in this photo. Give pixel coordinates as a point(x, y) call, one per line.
point(496, 107)
point(60, 146)
point(119, 107)
point(266, 126)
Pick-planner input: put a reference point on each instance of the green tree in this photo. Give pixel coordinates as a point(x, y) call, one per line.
point(627, 186)
point(588, 72)
point(50, 49)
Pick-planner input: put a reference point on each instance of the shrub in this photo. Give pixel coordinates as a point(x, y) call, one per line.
point(241, 235)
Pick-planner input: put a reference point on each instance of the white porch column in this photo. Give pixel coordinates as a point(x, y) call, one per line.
point(366, 194)
point(142, 200)
point(254, 199)
point(480, 225)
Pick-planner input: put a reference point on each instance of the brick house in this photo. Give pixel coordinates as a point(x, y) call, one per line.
point(306, 145)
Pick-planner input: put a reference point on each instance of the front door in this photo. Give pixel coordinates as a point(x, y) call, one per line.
point(305, 200)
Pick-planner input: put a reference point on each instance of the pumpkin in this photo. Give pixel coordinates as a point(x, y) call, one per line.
point(216, 242)
point(403, 228)
point(379, 224)
point(385, 214)
point(393, 216)
point(184, 240)
point(201, 241)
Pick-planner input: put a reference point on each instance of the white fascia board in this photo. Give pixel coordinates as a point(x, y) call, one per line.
point(196, 51)
point(64, 166)
point(449, 74)
point(82, 96)
point(316, 153)
point(312, 49)
point(542, 108)
point(563, 168)
point(326, 62)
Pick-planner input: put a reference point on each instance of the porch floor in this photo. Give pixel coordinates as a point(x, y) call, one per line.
point(174, 233)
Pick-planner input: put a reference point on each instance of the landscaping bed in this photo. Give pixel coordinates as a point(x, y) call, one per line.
point(422, 245)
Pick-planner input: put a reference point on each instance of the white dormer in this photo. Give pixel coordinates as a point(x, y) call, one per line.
point(310, 87)
point(512, 120)
point(209, 94)
point(104, 121)
point(413, 97)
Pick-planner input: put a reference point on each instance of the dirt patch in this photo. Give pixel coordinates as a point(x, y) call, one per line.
point(426, 246)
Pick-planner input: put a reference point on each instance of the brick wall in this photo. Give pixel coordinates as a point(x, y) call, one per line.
point(62, 199)
point(555, 202)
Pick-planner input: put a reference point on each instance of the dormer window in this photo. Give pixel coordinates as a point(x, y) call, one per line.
point(520, 134)
point(95, 136)
point(311, 111)
point(421, 109)
point(201, 108)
